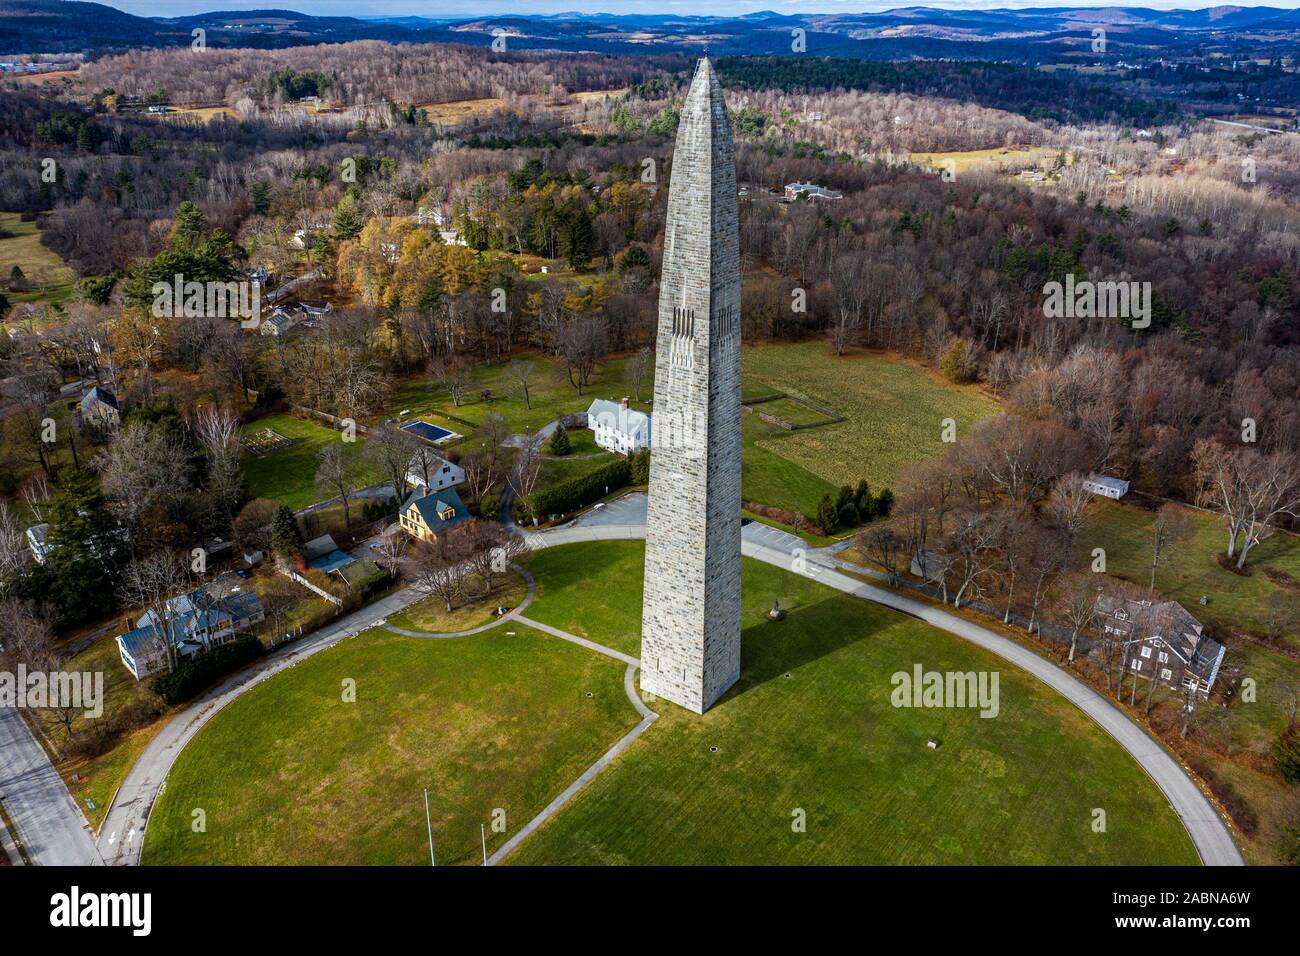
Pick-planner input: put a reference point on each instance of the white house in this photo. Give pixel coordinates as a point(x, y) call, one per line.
point(794, 190)
point(428, 472)
point(1106, 486)
point(617, 427)
point(36, 541)
point(196, 621)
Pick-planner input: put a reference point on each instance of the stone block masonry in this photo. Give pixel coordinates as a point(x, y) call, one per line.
point(690, 627)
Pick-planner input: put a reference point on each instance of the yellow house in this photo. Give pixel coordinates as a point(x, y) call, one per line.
point(425, 515)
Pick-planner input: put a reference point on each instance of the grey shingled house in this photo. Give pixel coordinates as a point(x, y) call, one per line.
point(1164, 642)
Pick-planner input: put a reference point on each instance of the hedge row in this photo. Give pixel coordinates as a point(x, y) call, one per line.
point(578, 492)
point(197, 673)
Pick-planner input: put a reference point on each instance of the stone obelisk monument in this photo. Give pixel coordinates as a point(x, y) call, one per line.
point(690, 623)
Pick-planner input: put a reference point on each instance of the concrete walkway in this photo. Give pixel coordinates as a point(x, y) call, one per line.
point(48, 823)
point(648, 717)
point(512, 615)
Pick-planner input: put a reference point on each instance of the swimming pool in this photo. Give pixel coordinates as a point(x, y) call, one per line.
point(428, 431)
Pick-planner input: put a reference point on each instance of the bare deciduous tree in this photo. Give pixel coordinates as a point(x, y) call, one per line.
point(396, 452)
point(143, 469)
point(438, 569)
point(1171, 528)
point(1068, 503)
point(520, 374)
point(885, 548)
point(217, 430)
point(1076, 607)
point(337, 472)
point(1248, 488)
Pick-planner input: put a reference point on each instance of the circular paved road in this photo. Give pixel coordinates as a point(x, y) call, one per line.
point(120, 842)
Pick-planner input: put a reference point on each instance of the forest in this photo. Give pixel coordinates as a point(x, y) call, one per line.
point(465, 212)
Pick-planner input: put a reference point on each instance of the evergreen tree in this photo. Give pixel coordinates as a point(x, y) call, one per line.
point(559, 443)
point(848, 514)
point(884, 504)
point(261, 193)
point(862, 498)
point(188, 228)
point(82, 544)
point(347, 223)
point(286, 536)
point(827, 515)
point(577, 237)
point(640, 462)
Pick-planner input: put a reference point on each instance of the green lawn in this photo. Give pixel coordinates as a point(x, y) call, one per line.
point(99, 777)
point(569, 597)
point(290, 774)
point(1018, 788)
point(431, 615)
point(895, 414)
point(770, 478)
point(550, 394)
point(49, 278)
point(289, 475)
point(585, 457)
point(796, 413)
point(1124, 531)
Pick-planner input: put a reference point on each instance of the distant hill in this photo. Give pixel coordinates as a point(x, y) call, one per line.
point(38, 26)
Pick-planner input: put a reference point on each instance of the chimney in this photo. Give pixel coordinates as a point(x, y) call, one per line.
point(623, 404)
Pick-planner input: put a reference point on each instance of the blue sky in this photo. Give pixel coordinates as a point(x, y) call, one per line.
point(478, 8)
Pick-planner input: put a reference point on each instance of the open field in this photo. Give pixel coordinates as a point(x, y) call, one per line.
point(1017, 788)
point(461, 111)
point(794, 412)
point(205, 113)
point(551, 394)
point(894, 410)
point(50, 76)
point(289, 474)
point(291, 774)
point(988, 160)
point(895, 414)
point(49, 279)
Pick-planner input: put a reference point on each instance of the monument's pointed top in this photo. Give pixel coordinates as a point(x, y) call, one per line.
point(705, 98)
